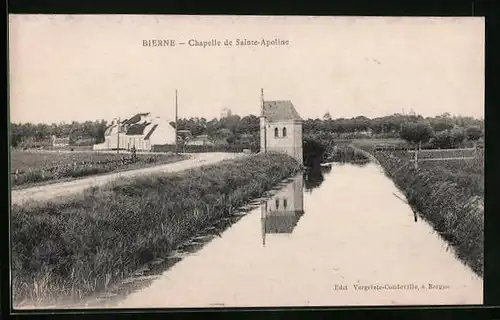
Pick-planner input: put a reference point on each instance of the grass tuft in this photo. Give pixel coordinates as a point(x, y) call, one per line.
point(92, 240)
point(452, 201)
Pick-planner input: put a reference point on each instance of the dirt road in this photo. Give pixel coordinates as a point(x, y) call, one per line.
point(56, 190)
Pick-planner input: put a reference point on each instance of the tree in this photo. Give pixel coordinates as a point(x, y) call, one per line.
point(442, 125)
point(442, 140)
point(313, 151)
point(474, 133)
point(249, 125)
point(457, 137)
point(230, 122)
point(224, 134)
point(417, 132)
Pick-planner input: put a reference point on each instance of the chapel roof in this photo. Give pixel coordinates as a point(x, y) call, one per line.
point(280, 110)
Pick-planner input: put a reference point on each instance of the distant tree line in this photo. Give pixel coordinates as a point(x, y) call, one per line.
point(421, 132)
point(445, 130)
point(388, 125)
point(79, 133)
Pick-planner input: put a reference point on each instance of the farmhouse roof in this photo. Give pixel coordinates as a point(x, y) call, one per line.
point(135, 119)
point(150, 132)
point(134, 126)
point(280, 110)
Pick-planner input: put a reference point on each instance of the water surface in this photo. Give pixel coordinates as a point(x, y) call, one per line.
point(311, 244)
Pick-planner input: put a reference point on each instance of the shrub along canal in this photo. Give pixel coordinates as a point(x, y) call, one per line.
point(342, 236)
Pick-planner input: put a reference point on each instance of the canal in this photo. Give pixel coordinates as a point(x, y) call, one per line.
point(340, 237)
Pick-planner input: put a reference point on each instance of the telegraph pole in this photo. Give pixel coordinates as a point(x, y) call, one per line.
point(264, 129)
point(176, 139)
point(262, 101)
point(118, 136)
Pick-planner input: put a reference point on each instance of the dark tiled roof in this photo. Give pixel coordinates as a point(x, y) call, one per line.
point(138, 128)
point(280, 110)
point(133, 127)
point(150, 132)
point(135, 118)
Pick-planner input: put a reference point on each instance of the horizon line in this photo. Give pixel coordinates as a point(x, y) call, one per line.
point(256, 115)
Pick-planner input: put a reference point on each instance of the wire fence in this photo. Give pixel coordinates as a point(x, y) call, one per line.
point(421, 155)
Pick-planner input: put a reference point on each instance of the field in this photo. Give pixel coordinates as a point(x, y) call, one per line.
point(88, 242)
point(29, 167)
point(369, 144)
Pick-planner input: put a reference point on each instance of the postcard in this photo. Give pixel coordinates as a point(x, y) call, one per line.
point(176, 161)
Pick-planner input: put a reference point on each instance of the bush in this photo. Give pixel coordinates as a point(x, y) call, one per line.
point(313, 152)
point(449, 139)
point(474, 133)
point(417, 132)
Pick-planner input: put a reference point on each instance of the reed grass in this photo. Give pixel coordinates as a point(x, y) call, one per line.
point(453, 206)
point(87, 242)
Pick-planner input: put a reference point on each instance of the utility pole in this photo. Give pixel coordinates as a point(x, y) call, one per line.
point(118, 136)
point(176, 139)
point(262, 117)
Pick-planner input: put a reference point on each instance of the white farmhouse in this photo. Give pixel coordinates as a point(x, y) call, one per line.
point(280, 128)
point(142, 131)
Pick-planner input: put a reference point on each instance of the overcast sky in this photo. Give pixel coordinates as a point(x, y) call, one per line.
point(65, 68)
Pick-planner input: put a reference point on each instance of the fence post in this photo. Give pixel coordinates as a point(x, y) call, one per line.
point(416, 158)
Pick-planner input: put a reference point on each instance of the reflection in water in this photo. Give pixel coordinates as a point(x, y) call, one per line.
point(355, 232)
point(281, 212)
point(415, 218)
point(314, 176)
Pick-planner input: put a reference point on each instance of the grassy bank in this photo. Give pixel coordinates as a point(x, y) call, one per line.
point(449, 197)
point(91, 241)
point(345, 153)
point(30, 167)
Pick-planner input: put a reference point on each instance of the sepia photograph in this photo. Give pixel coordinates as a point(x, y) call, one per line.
point(182, 161)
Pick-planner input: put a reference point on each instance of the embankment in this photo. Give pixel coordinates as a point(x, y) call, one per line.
point(88, 242)
point(455, 211)
point(348, 153)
